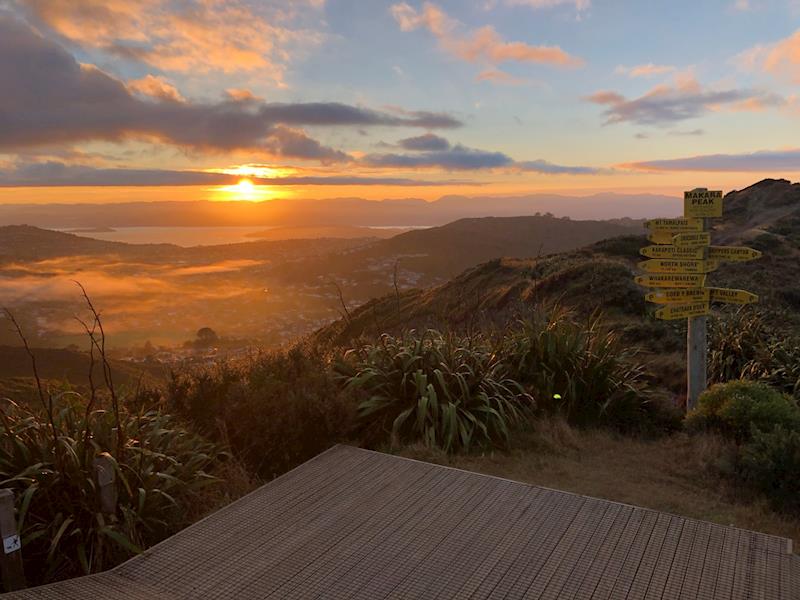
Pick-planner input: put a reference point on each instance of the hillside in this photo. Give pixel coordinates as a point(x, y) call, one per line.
point(429, 256)
point(600, 276)
point(66, 366)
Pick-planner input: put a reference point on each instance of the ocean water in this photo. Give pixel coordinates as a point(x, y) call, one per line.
point(182, 236)
point(198, 236)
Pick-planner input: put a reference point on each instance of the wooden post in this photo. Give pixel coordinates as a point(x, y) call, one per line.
point(697, 350)
point(11, 562)
point(106, 483)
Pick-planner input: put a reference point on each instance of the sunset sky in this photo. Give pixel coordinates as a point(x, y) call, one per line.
point(119, 100)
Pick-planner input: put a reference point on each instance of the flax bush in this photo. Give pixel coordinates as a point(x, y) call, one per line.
point(46, 459)
point(580, 370)
point(444, 391)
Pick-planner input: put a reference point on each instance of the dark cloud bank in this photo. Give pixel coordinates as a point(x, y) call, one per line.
point(48, 97)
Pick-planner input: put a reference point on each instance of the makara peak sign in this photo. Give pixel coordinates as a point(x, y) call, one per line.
point(702, 203)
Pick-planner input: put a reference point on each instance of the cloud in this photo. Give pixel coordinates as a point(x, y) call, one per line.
point(190, 37)
point(155, 86)
point(687, 132)
point(580, 5)
point(223, 266)
point(54, 173)
point(428, 141)
point(686, 99)
point(761, 161)
point(543, 166)
point(483, 45)
point(461, 158)
point(49, 98)
point(646, 70)
point(500, 77)
point(781, 59)
point(457, 158)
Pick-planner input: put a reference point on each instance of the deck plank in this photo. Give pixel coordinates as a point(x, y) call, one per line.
point(353, 524)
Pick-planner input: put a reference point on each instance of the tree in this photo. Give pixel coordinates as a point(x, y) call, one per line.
point(207, 336)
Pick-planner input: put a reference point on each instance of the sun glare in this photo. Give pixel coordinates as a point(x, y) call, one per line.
point(246, 190)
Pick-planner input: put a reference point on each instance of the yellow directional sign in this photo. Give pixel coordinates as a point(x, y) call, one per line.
point(692, 239)
point(672, 280)
point(702, 203)
point(661, 237)
point(675, 225)
point(682, 311)
point(733, 253)
point(730, 296)
point(672, 252)
point(664, 265)
point(678, 296)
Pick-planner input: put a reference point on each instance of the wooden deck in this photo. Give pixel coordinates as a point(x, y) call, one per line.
point(355, 524)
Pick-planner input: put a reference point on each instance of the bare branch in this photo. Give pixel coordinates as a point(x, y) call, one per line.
point(100, 345)
point(346, 313)
point(47, 404)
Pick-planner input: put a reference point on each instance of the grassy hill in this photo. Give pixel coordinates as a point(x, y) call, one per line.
point(429, 256)
point(600, 276)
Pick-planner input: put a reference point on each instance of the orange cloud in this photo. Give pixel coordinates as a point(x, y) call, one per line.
point(646, 70)
point(192, 37)
point(501, 77)
point(781, 59)
point(155, 86)
point(481, 45)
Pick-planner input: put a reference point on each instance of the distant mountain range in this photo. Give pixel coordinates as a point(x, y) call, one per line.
point(336, 211)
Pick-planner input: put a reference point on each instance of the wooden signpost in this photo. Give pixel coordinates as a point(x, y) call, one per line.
point(682, 256)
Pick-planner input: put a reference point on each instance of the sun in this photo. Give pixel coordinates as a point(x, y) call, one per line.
point(246, 190)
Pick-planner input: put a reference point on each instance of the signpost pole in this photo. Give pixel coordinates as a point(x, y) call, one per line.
point(696, 352)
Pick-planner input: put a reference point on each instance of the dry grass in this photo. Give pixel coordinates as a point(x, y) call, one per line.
point(675, 474)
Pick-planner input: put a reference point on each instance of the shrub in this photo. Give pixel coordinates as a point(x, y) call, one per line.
point(770, 462)
point(734, 408)
point(447, 392)
point(275, 410)
point(745, 346)
point(46, 459)
point(579, 370)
